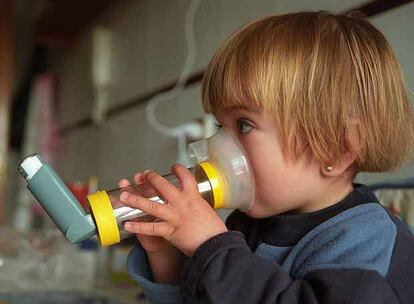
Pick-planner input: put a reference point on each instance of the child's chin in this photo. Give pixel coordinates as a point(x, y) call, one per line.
point(256, 212)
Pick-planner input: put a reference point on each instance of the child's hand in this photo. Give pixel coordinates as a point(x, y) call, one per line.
point(165, 260)
point(151, 244)
point(187, 220)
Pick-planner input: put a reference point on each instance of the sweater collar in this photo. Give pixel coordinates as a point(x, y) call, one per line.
point(287, 229)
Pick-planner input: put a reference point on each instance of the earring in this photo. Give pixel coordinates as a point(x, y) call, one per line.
point(329, 168)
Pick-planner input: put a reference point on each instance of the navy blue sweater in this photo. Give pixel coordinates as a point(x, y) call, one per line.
point(351, 252)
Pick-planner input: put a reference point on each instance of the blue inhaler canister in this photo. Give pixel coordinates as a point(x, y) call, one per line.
point(58, 201)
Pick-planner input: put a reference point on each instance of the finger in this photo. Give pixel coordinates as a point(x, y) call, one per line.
point(187, 180)
point(144, 190)
point(150, 228)
point(163, 187)
point(124, 183)
point(139, 177)
point(158, 210)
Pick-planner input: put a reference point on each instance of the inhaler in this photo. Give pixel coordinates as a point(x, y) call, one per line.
point(222, 172)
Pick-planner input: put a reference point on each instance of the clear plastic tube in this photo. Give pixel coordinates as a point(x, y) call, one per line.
point(125, 213)
point(224, 180)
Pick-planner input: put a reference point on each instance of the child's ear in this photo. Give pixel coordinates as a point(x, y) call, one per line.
point(340, 166)
point(346, 160)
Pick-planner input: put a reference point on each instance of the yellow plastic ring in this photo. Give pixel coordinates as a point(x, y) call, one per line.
point(216, 183)
point(108, 232)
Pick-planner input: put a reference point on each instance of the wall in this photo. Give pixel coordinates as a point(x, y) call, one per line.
point(149, 50)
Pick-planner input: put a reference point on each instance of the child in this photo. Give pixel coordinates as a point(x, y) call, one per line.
point(314, 98)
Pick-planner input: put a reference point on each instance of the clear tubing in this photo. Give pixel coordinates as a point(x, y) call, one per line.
point(125, 213)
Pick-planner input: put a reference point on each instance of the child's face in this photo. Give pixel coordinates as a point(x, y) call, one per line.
point(281, 185)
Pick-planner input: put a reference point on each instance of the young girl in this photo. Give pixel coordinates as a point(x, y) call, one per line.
point(314, 98)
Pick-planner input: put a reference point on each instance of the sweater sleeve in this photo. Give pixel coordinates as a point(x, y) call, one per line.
point(344, 261)
point(140, 271)
point(224, 270)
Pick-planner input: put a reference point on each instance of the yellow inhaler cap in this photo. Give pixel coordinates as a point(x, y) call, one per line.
point(108, 232)
point(216, 182)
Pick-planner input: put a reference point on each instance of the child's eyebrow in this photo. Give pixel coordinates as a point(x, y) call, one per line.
point(244, 108)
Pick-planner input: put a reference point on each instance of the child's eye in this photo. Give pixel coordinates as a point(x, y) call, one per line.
point(244, 126)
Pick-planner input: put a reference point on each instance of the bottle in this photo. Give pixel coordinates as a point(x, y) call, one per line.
point(222, 172)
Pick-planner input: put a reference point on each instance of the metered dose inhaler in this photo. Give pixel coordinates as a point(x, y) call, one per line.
point(222, 172)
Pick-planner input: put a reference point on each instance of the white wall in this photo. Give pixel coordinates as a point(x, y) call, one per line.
point(149, 50)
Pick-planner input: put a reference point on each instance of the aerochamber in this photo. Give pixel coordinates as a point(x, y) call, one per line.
point(222, 171)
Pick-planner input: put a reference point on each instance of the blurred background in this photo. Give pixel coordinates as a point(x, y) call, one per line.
point(87, 84)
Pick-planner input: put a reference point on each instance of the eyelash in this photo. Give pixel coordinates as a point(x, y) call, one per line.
point(239, 123)
point(242, 122)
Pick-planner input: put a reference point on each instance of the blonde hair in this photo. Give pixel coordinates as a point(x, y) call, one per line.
point(323, 78)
